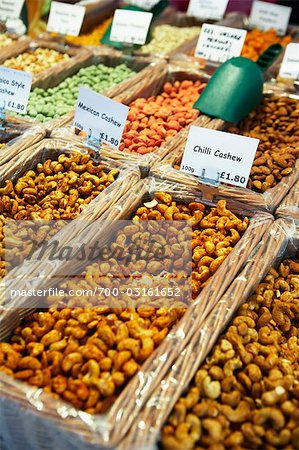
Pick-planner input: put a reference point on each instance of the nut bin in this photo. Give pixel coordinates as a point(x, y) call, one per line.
point(276, 165)
point(245, 392)
point(73, 57)
point(289, 207)
point(172, 201)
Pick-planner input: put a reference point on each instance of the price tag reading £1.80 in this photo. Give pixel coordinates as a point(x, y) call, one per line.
point(217, 43)
point(268, 15)
point(106, 118)
point(65, 18)
point(220, 156)
point(290, 65)
point(207, 9)
point(15, 88)
point(10, 9)
point(130, 26)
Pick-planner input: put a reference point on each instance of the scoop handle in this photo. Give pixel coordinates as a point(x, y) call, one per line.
point(270, 55)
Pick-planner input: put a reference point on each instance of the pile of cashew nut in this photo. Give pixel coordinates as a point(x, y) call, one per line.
point(216, 231)
point(85, 356)
point(246, 394)
point(55, 189)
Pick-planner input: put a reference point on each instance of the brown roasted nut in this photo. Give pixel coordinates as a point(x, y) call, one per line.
point(254, 401)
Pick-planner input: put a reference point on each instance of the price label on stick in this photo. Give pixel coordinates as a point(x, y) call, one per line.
point(130, 26)
point(10, 9)
point(207, 9)
point(290, 65)
point(15, 88)
point(219, 156)
point(217, 43)
point(65, 18)
point(269, 15)
point(101, 115)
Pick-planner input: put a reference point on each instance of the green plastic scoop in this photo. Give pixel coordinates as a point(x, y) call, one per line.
point(236, 88)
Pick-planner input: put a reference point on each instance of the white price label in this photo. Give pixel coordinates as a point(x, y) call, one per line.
point(130, 26)
point(10, 9)
point(219, 155)
point(290, 65)
point(106, 118)
point(207, 9)
point(15, 88)
point(269, 15)
point(65, 18)
point(217, 43)
point(145, 4)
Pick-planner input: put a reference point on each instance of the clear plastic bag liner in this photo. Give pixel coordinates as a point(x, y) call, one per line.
point(280, 240)
point(51, 149)
point(107, 429)
point(84, 59)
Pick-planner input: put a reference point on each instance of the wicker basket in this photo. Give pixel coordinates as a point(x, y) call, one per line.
point(267, 201)
point(280, 241)
point(108, 429)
